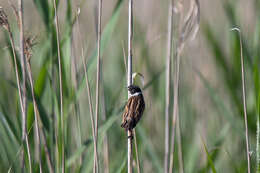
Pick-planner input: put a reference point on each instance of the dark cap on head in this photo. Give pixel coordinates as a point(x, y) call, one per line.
point(134, 89)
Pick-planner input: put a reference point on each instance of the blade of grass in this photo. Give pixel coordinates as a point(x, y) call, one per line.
point(74, 71)
point(98, 77)
point(257, 92)
point(38, 140)
point(209, 158)
point(60, 86)
point(244, 99)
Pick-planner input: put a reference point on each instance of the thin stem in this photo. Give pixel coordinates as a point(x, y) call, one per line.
point(136, 146)
point(244, 98)
point(60, 83)
point(180, 159)
point(74, 71)
point(76, 104)
point(104, 118)
point(98, 72)
point(35, 113)
point(129, 80)
point(24, 124)
point(38, 123)
point(89, 98)
point(136, 153)
point(105, 144)
point(167, 89)
point(244, 103)
point(257, 143)
point(175, 106)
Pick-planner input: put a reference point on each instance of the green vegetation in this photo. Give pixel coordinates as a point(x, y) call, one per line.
point(210, 95)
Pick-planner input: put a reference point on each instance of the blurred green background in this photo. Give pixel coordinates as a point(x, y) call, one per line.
point(210, 94)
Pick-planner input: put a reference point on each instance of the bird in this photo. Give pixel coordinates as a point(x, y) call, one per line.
point(134, 108)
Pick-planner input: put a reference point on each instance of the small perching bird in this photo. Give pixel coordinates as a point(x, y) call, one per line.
point(134, 108)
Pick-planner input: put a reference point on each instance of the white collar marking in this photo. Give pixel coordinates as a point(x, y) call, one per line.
point(135, 94)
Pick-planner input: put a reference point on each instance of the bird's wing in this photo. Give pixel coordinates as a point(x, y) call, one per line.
point(127, 107)
point(139, 109)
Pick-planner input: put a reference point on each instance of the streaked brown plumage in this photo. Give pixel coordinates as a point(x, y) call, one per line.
point(134, 108)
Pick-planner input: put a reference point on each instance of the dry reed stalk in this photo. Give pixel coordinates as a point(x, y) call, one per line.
point(180, 158)
point(89, 95)
point(136, 153)
point(24, 114)
point(187, 30)
point(244, 98)
point(98, 73)
point(129, 79)
point(60, 83)
point(167, 88)
point(136, 146)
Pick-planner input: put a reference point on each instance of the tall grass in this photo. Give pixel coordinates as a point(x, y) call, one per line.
point(203, 87)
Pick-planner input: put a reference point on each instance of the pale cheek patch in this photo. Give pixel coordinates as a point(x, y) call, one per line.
point(136, 94)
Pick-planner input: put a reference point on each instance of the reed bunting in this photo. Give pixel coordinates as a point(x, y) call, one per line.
point(134, 108)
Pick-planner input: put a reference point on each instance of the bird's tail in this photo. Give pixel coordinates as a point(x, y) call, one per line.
point(128, 127)
point(128, 124)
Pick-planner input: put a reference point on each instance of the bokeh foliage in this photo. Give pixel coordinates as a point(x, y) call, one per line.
point(219, 147)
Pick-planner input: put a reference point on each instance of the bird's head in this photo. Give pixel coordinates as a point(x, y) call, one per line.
point(133, 89)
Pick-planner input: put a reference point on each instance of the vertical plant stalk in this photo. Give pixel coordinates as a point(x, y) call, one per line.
point(129, 79)
point(35, 113)
point(89, 97)
point(257, 143)
point(188, 29)
point(175, 107)
point(98, 73)
point(136, 146)
point(24, 123)
point(136, 153)
point(176, 95)
point(104, 118)
point(60, 83)
point(167, 89)
point(244, 98)
point(178, 131)
point(74, 71)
